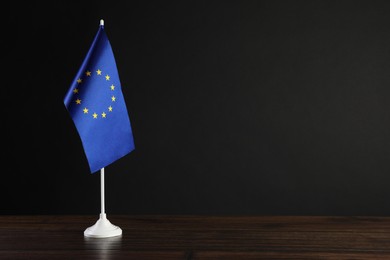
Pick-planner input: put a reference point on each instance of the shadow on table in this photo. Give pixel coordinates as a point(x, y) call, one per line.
point(105, 248)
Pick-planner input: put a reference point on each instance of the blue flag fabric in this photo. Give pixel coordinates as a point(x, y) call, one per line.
point(97, 107)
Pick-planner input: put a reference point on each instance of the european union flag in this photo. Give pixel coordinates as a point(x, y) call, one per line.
point(97, 106)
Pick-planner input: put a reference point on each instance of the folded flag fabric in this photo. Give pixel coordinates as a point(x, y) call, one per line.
point(97, 107)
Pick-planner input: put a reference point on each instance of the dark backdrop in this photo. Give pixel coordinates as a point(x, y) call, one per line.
point(237, 107)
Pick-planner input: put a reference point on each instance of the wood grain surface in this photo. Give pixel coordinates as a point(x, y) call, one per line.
point(197, 237)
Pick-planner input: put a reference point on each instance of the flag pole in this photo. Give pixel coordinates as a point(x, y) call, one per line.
point(103, 227)
point(103, 213)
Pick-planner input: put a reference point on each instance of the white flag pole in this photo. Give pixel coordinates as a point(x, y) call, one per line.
point(103, 227)
point(102, 192)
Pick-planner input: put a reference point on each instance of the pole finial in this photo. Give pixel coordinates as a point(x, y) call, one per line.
point(101, 22)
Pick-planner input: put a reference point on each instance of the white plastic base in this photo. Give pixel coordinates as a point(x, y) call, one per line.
point(103, 228)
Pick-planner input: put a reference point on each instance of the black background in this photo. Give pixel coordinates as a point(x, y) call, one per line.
point(237, 107)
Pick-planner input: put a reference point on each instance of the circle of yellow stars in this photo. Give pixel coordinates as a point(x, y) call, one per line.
point(78, 101)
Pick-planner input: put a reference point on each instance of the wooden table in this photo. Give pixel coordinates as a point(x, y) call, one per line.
point(197, 237)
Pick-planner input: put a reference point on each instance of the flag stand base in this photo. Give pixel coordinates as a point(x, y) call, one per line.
point(103, 228)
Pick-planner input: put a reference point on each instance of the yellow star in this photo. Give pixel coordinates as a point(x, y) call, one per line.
point(88, 73)
point(104, 115)
point(113, 98)
point(112, 87)
point(85, 110)
point(110, 108)
point(79, 81)
point(94, 115)
point(76, 90)
point(99, 72)
point(107, 77)
point(78, 101)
